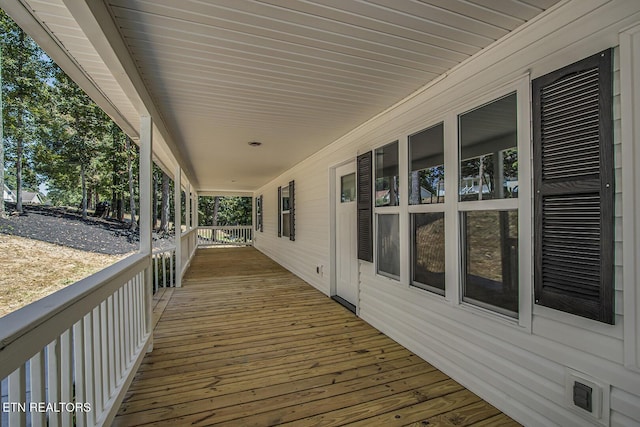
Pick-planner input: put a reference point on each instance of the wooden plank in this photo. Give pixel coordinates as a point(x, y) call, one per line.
point(500, 420)
point(465, 416)
point(160, 304)
point(232, 406)
point(245, 342)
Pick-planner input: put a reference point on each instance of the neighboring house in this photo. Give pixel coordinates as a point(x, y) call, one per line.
point(27, 197)
point(7, 194)
point(30, 198)
point(538, 308)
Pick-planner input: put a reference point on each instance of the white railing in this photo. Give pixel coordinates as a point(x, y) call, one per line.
point(236, 235)
point(164, 268)
point(188, 246)
point(69, 358)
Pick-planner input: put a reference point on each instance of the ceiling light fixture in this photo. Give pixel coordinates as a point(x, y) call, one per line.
point(255, 143)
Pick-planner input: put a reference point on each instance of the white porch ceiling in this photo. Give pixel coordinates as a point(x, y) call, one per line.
point(293, 74)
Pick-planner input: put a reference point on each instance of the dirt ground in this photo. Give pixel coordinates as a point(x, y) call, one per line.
point(32, 269)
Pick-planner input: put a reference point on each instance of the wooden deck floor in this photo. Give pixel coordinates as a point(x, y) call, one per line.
point(246, 343)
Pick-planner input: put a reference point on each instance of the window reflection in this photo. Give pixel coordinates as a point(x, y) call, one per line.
point(348, 188)
point(491, 259)
point(426, 177)
point(488, 151)
point(389, 245)
point(428, 251)
point(387, 175)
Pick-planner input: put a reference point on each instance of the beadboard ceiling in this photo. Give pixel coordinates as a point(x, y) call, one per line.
point(294, 75)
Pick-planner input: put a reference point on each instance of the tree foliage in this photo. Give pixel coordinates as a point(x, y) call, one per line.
point(55, 135)
point(231, 210)
point(26, 73)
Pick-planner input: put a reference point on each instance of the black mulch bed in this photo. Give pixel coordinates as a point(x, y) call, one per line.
point(67, 228)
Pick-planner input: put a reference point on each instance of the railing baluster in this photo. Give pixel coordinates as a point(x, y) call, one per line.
point(126, 324)
point(66, 377)
point(18, 395)
point(89, 385)
point(111, 366)
point(136, 315)
point(53, 379)
point(141, 309)
point(131, 351)
point(38, 388)
point(155, 270)
point(79, 372)
point(164, 269)
point(104, 362)
point(119, 332)
point(97, 361)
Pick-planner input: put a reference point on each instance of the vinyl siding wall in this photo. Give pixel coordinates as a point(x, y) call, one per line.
point(520, 370)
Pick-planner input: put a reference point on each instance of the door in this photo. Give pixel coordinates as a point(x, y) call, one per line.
point(346, 261)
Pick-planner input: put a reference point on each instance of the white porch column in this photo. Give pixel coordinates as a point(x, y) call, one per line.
point(146, 213)
point(187, 205)
point(177, 207)
point(195, 209)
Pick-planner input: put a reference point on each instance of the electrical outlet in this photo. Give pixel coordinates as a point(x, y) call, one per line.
point(587, 396)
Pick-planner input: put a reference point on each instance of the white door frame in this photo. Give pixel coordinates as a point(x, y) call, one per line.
point(333, 287)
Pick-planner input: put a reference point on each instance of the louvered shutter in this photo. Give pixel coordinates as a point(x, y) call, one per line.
point(365, 209)
point(257, 213)
point(279, 211)
point(574, 191)
point(292, 211)
point(260, 200)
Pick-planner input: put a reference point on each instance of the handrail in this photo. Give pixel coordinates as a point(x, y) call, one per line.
point(225, 227)
point(187, 232)
point(48, 317)
point(79, 345)
point(237, 235)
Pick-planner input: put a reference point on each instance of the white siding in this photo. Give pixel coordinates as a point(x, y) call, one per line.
point(522, 372)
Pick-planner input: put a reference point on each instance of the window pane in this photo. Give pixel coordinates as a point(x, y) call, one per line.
point(426, 177)
point(491, 259)
point(387, 175)
point(488, 151)
point(389, 245)
point(285, 199)
point(348, 188)
point(286, 222)
point(428, 251)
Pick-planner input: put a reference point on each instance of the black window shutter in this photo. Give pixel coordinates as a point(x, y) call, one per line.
point(365, 209)
point(261, 222)
point(292, 211)
point(574, 188)
point(257, 213)
point(279, 211)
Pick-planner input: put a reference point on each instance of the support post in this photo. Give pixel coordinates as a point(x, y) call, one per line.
point(146, 212)
point(187, 205)
point(177, 207)
point(196, 199)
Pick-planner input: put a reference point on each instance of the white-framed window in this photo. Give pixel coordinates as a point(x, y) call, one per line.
point(488, 156)
point(387, 213)
point(426, 208)
point(286, 211)
point(452, 205)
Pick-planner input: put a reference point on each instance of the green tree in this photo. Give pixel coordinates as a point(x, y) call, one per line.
point(26, 71)
point(83, 131)
point(229, 210)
